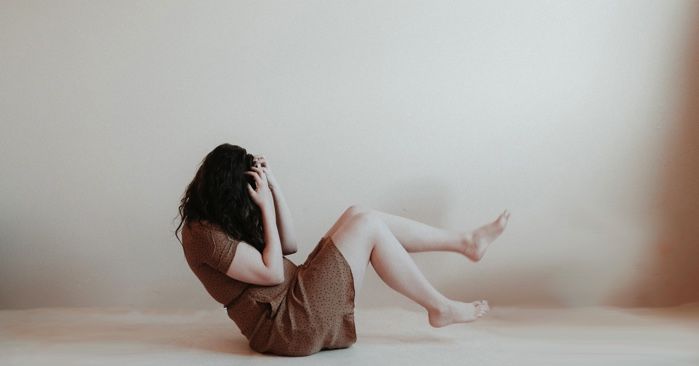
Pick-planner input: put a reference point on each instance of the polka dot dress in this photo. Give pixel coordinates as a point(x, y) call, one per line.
point(312, 310)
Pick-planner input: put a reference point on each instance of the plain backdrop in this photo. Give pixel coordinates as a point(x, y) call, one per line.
point(567, 113)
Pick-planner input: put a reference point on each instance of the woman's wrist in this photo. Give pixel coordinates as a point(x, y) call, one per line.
point(268, 209)
point(272, 183)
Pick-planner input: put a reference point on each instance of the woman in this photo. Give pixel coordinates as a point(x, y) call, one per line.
point(238, 230)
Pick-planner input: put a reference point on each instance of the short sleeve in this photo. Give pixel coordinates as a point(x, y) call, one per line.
point(221, 252)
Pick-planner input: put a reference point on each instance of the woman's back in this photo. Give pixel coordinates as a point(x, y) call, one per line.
point(209, 252)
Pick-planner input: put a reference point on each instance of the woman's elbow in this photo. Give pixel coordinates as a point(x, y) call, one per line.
point(289, 251)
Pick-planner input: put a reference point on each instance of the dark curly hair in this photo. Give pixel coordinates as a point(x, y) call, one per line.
point(218, 194)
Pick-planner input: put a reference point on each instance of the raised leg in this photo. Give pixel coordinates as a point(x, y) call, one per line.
point(365, 237)
point(416, 236)
point(349, 212)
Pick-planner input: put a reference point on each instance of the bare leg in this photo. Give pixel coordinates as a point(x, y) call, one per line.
point(365, 238)
point(349, 212)
point(416, 236)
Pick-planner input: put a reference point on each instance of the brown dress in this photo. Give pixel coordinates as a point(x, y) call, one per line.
point(312, 310)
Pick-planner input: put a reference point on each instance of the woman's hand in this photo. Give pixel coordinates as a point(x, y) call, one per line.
point(261, 162)
point(262, 194)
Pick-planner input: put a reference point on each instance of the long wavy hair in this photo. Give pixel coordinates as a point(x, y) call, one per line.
point(218, 194)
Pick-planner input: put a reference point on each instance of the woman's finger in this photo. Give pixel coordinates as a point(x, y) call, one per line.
point(255, 174)
point(261, 160)
point(257, 178)
point(261, 172)
point(260, 177)
point(250, 190)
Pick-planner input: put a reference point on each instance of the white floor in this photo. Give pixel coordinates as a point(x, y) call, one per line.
point(386, 336)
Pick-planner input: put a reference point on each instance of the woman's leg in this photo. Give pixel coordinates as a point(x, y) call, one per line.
point(416, 236)
point(349, 212)
point(364, 237)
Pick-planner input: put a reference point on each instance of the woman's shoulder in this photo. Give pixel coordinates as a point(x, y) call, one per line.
point(200, 224)
point(198, 239)
point(195, 229)
point(208, 228)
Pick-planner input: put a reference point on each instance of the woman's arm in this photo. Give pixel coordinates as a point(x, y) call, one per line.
point(287, 233)
point(272, 253)
point(284, 223)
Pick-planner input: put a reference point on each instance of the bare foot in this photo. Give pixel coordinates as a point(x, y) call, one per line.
point(476, 242)
point(458, 312)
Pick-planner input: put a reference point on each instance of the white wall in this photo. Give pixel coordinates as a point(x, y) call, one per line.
point(445, 112)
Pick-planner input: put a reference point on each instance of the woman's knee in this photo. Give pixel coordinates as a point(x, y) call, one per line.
point(357, 209)
point(366, 219)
